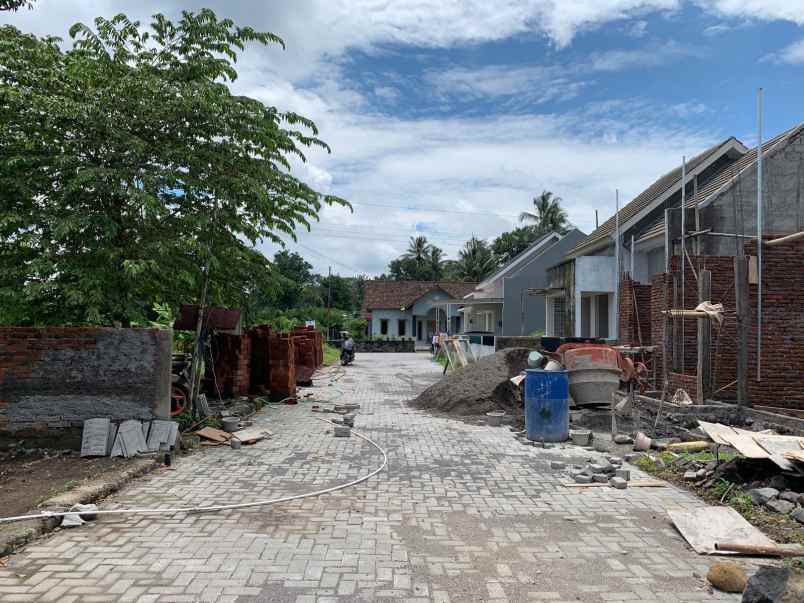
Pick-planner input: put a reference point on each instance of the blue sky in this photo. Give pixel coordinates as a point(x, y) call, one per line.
point(445, 118)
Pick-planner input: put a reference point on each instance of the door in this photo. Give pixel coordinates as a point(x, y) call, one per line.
point(419, 330)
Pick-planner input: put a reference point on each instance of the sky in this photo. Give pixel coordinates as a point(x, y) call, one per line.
point(445, 118)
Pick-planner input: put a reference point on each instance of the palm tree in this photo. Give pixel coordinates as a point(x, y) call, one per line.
point(436, 261)
point(475, 260)
point(418, 250)
point(549, 216)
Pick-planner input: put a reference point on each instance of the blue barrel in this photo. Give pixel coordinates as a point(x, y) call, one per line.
point(547, 405)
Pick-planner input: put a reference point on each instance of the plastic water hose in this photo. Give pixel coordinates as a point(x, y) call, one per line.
point(214, 508)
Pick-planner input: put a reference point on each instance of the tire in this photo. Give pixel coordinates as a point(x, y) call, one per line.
point(179, 399)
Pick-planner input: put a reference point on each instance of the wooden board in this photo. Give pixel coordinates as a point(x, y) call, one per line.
point(744, 444)
point(704, 527)
point(716, 431)
point(214, 435)
point(251, 436)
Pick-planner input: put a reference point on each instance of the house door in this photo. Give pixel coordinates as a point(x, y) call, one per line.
point(419, 334)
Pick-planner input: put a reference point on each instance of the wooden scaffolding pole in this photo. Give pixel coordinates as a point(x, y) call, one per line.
point(742, 306)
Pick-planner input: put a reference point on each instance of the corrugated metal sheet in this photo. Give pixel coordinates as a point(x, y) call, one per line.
point(219, 319)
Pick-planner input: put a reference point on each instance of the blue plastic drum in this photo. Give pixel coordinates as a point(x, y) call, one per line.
point(547, 405)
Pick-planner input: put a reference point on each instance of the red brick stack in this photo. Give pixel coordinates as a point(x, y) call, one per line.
point(282, 358)
point(232, 355)
point(634, 320)
point(260, 362)
point(309, 353)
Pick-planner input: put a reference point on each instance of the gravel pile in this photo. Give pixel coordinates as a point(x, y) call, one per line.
point(479, 387)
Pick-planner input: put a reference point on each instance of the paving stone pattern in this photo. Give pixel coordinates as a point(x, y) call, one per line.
point(463, 513)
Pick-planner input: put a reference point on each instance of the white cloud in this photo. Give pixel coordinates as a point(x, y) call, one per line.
point(763, 10)
point(637, 29)
point(792, 54)
point(651, 56)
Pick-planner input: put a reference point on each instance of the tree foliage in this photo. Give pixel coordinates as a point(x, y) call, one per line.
point(475, 261)
point(127, 164)
point(510, 244)
point(422, 261)
point(549, 215)
point(14, 5)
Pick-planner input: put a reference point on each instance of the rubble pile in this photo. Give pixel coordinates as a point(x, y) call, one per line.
point(480, 387)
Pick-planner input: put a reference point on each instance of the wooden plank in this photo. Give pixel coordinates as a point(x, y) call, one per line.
point(703, 528)
point(743, 310)
point(251, 436)
point(704, 370)
point(214, 435)
point(717, 431)
point(744, 444)
point(761, 551)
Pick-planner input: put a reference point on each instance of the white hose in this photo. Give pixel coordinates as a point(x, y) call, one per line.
point(259, 503)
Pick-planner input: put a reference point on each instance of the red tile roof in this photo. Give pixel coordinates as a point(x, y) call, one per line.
point(388, 295)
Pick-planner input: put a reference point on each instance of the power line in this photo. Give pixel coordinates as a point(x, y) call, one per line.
point(329, 259)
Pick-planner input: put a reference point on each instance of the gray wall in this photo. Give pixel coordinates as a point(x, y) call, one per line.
point(783, 186)
point(392, 316)
point(57, 377)
point(533, 276)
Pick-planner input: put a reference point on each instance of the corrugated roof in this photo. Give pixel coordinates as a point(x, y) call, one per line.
point(727, 176)
point(393, 295)
point(667, 182)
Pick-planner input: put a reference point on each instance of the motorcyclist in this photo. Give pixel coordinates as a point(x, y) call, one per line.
point(348, 348)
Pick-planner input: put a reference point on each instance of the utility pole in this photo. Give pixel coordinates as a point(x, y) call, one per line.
point(329, 300)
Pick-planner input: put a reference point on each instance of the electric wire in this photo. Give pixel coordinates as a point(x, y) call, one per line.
point(226, 507)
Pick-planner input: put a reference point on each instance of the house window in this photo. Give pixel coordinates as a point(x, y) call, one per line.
point(559, 315)
point(383, 326)
point(402, 327)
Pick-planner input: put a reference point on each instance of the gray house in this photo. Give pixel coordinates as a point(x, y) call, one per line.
point(501, 304)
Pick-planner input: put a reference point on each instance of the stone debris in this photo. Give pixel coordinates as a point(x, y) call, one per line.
point(618, 482)
point(615, 460)
point(727, 577)
point(583, 478)
point(601, 478)
point(623, 474)
point(793, 497)
point(632, 456)
point(798, 515)
point(621, 438)
point(777, 505)
point(759, 496)
point(690, 476)
point(774, 585)
point(556, 465)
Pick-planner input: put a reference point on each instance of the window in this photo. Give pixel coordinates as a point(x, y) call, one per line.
point(383, 326)
point(559, 312)
point(402, 327)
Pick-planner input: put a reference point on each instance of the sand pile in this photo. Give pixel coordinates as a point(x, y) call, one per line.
point(479, 387)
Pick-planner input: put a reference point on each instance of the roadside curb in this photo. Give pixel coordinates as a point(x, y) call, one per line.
point(22, 533)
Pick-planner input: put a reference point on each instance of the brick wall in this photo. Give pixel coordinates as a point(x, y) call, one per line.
point(687, 382)
point(54, 378)
point(634, 319)
point(782, 378)
point(658, 302)
point(282, 358)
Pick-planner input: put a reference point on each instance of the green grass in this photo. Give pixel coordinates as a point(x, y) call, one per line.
point(331, 354)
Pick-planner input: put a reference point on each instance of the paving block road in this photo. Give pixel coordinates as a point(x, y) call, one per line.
point(463, 512)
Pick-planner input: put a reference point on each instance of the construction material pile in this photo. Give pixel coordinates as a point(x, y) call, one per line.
point(480, 387)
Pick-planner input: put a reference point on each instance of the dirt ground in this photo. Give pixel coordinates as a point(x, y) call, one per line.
point(26, 481)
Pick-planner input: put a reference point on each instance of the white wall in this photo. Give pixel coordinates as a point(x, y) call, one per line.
point(392, 316)
point(594, 273)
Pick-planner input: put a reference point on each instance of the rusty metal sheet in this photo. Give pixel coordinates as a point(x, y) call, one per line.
point(219, 319)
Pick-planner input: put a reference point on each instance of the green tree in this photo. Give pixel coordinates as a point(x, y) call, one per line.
point(510, 244)
point(549, 215)
point(15, 4)
point(421, 262)
point(294, 276)
point(475, 261)
point(126, 165)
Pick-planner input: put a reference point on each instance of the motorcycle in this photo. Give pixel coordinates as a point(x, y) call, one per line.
point(347, 357)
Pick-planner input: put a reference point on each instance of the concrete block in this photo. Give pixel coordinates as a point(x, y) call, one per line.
point(95, 437)
point(584, 479)
point(618, 482)
point(557, 465)
point(600, 478)
point(623, 474)
point(342, 431)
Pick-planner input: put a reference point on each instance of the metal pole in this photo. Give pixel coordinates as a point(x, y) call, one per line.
point(683, 252)
point(617, 260)
point(759, 234)
point(597, 223)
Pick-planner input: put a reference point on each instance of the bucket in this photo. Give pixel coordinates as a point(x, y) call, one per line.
point(230, 424)
point(547, 405)
point(581, 437)
point(494, 418)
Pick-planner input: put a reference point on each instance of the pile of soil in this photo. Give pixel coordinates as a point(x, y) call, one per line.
point(479, 387)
